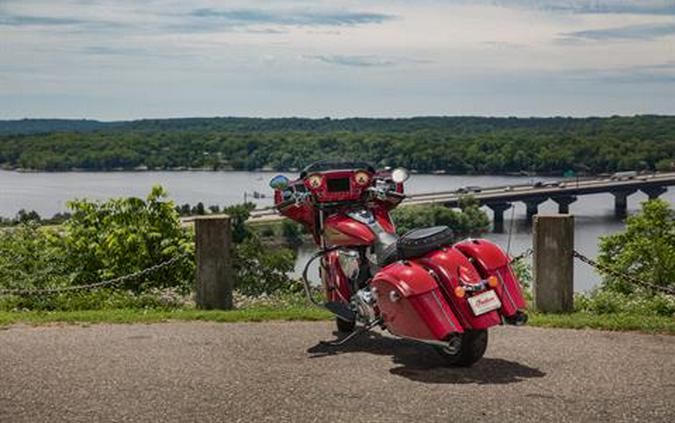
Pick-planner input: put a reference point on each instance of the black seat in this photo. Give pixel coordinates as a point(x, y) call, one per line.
point(416, 243)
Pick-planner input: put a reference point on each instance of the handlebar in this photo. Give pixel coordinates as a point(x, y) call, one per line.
point(381, 191)
point(295, 197)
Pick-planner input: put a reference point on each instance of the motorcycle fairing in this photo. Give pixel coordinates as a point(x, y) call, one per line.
point(490, 260)
point(412, 304)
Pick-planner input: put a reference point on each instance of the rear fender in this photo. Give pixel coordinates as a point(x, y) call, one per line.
point(490, 260)
point(486, 255)
point(411, 303)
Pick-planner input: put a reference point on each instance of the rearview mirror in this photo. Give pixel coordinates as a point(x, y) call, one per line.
point(279, 182)
point(399, 175)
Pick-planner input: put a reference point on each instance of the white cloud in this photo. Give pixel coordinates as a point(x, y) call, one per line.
point(134, 59)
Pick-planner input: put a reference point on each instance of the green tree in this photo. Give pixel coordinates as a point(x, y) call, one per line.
point(645, 250)
point(258, 269)
point(122, 236)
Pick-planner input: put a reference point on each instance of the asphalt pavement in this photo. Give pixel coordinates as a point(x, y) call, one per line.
point(277, 371)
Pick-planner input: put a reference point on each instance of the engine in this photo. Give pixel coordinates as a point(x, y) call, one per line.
point(363, 303)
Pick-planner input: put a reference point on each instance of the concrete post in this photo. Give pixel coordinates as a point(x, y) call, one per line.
point(215, 278)
point(564, 203)
point(498, 210)
point(553, 243)
point(654, 192)
point(621, 202)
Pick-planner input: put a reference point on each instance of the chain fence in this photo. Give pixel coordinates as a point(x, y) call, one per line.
point(522, 255)
point(670, 290)
point(95, 285)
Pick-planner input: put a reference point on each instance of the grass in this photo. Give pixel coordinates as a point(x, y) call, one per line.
point(614, 322)
point(153, 315)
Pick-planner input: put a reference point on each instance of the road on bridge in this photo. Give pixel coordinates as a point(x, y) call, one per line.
point(278, 372)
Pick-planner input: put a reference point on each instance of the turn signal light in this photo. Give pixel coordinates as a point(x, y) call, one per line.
point(460, 292)
point(492, 281)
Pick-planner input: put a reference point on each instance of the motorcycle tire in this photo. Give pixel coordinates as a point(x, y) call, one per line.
point(472, 348)
point(345, 326)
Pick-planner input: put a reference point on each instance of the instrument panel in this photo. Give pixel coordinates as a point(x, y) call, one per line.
point(339, 185)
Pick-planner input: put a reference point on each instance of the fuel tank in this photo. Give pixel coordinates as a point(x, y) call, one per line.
point(343, 230)
point(411, 303)
point(490, 260)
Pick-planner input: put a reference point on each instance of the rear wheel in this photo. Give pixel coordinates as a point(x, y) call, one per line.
point(465, 349)
point(344, 326)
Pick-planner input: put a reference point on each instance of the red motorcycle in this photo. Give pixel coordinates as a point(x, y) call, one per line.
point(418, 286)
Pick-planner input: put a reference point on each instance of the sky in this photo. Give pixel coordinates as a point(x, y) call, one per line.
point(129, 59)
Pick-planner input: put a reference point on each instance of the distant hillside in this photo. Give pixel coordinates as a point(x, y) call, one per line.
point(426, 144)
point(37, 126)
point(461, 124)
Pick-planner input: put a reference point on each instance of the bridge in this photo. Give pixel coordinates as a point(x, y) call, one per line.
point(500, 199)
point(565, 192)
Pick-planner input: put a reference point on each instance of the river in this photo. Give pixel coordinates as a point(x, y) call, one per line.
point(47, 193)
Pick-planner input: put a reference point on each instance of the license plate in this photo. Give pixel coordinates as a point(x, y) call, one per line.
point(484, 302)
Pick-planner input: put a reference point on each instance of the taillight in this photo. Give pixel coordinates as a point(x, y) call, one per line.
point(493, 281)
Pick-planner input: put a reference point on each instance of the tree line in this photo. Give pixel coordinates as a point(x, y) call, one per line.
point(464, 145)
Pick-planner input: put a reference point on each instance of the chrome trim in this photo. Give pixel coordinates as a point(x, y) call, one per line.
point(506, 290)
point(438, 302)
point(449, 293)
point(349, 262)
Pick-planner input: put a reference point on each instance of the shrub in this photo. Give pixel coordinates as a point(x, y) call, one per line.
point(645, 250)
point(259, 270)
point(291, 232)
point(104, 298)
point(523, 271)
point(103, 240)
point(603, 301)
point(239, 214)
point(32, 257)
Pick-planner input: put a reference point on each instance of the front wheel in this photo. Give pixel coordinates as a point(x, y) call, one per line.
point(465, 349)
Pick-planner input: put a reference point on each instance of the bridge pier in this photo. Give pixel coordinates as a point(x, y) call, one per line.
point(564, 203)
point(654, 192)
point(532, 206)
point(498, 210)
point(621, 201)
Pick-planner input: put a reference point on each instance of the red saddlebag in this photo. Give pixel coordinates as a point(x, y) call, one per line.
point(449, 265)
point(411, 303)
point(490, 260)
